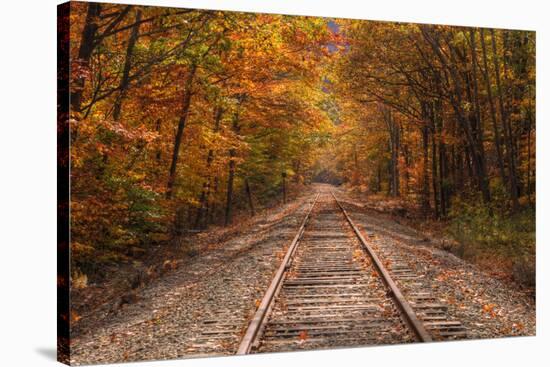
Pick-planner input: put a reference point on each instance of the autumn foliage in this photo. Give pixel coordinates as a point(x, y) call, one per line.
point(181, 117)
point(443, 117)
point(184, 118)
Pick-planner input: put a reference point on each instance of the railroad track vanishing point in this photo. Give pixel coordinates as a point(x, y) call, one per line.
point(333, 290)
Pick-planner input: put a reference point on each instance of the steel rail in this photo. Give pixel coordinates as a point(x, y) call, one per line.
point(259, 318)
point(406, 310)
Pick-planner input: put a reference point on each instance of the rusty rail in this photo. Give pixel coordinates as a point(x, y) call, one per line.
point(259, 318)
point(406, 310)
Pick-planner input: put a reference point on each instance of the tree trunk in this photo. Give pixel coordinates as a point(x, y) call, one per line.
point(125, 80)
point(496, 132)
point(87, 45)
point(407, 160)
point(459, 164)
point(355, 177)
point(231, 176)
point(435, 182)
point(284, 187)
point(393, 130)
point(442, 170)
point(249, 197)
point(529, 120)
point(456, 89)
point(229, 199)
point(443, 190)
point(512, 178)
point(211, 207)
point(378, 186)
point(479, 134)
point(203, 201)
point(425, 173)
point(181, 126)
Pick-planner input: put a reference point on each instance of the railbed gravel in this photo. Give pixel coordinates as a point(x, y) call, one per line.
point(486, 306)
point(203, 308)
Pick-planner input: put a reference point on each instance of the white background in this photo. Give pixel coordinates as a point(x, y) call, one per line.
point(28, 181)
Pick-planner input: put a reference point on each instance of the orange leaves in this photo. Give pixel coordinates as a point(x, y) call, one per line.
point(489, 309)
point(358, 254)
point(518, 327)
point(75, 317)
point(303, 336)
point(442, 277)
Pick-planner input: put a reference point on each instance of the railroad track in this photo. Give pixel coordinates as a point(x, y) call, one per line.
point(333, 290)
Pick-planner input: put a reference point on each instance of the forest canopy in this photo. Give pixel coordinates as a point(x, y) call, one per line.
point(183, 118)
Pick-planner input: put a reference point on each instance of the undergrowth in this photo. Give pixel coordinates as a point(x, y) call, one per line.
point(493, 235)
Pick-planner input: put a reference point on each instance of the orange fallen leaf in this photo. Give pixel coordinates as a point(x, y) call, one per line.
point(303, 335)
point(490, 309)
point(74, 316)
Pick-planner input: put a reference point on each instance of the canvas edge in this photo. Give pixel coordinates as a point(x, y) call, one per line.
point(63, 172)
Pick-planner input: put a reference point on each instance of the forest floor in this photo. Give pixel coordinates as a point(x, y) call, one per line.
point(171, 315)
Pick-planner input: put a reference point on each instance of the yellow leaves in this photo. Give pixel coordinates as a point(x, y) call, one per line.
point(79, 280)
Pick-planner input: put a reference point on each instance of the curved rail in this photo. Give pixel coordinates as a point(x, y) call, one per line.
point(406, 310)
point(258, 320)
